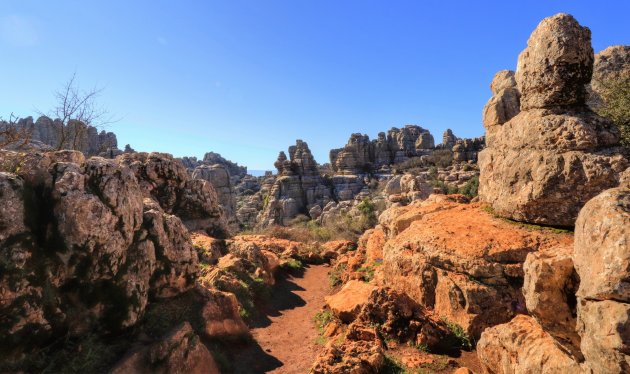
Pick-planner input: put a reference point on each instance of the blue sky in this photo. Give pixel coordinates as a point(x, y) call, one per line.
point(247, 78)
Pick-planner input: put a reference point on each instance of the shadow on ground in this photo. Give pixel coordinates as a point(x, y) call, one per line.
point(250, 358)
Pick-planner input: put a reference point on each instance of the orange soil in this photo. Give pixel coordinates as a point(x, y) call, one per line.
point(285, 334)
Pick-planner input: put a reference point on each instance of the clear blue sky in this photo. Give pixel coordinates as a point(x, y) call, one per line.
point(247, 78)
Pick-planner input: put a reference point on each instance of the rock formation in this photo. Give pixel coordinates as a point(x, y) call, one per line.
point(87, 242)
point(298, 188)
point(219, 176)
point(360, 155)
point(212, 158)
point(48, 134)
point(504, 104)
point(534, 161)
point(459, 260)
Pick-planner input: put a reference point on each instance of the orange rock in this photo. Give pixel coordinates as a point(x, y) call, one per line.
point(460, 260)
point(347, 303)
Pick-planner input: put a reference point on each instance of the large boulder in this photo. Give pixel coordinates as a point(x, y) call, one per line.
point(347, 303)
point(602, 260)
point(549, 289)
point(556, 65)
point(522, 346)
point(180, 352)
point(534, 161)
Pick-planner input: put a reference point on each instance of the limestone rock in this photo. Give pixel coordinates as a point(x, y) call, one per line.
point(347, 303)
point(611, 64)
point(549, 289)
point(556, 65)
point(459, 260)
point(98, 239)
point(220, 314)
point(521, 346)
point(219, 176)
point(297, 190)
point(180, 352)
point(604, 326)
point(534, 161)
point(602, 246)
point(504, 103)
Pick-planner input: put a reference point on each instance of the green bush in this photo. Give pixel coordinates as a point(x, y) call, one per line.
point(471, 187)
point(616, 106)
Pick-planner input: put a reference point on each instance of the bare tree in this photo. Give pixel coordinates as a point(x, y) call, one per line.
point(12, 134)
point(77, 110)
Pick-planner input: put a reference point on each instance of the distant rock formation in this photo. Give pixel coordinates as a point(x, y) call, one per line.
point(48, 134)
point(212, 158)
point(362, 155)
point(219, 176)
point(543, 164)
point(298, 188)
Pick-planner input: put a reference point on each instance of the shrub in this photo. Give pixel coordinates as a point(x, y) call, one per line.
point(441, 158)
point(462, 339)
point(616, 106)
point(471, 187)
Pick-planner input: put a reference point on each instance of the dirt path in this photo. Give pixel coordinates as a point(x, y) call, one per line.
point(285, 334)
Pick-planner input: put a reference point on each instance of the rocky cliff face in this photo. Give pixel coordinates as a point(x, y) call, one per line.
point(86, 243)
point(535, 160)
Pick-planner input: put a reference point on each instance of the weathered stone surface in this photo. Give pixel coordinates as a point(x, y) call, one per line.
point(602, 257)
point(602, 246)
point(503, 105)
point(459, 260)
point(92, 246)
point(347, 303)
point(546, 162)
point(220, 314)
point(166, 180)
point(47, 134)
point(611, 64)
point(360, 351)
point(605, 330)
point(219, 176)
point(556, 65)
point(549, 290)
point(297, 190)
point(180, 352)
point(521, 346)
point(402, 319)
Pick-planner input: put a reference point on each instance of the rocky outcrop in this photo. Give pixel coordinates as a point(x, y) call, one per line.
point(219, 176)
point(86, 243)
point(298, 188)
point(347, 303)
point(166, 180)
point(212, 158)
point(602, 257)
point(48, 134)
point(549, 289)
point(180, 352)
point(360, 155)
point(534, 161)
point(521, 346)
point(459, 260)
point(503, 105)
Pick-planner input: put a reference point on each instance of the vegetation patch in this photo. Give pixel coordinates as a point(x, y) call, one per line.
point(461, 337)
